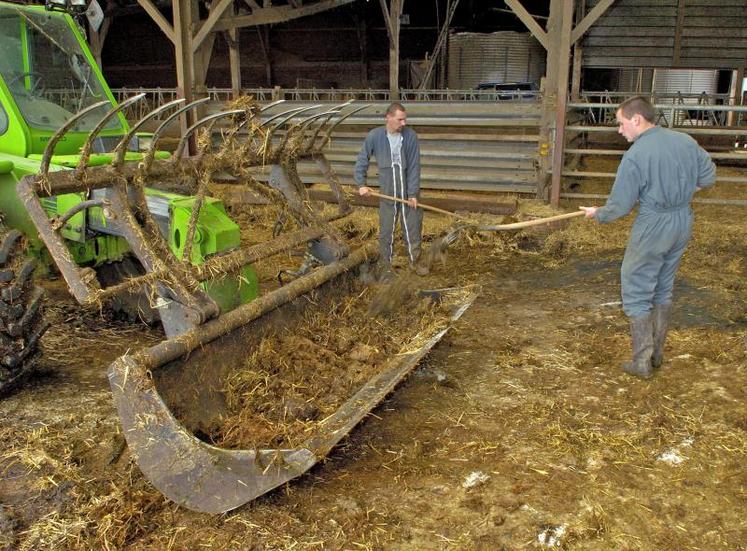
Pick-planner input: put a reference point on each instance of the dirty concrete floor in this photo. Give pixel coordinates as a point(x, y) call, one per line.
point(518, 431)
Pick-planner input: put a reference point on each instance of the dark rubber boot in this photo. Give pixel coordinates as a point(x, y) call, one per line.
point(419, 266)
point(384, 271)
point(660, 317)
point(642, 333)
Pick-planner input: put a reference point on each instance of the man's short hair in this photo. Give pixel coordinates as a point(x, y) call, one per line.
point(638, 105)
point(394, 107)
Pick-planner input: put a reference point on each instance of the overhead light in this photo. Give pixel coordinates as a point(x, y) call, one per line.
point(74, 7)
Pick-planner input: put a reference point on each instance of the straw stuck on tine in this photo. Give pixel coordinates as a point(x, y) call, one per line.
point(49, 150)
point(145, 165)
point(86, 150)
point(179, 152)
point(121, 149)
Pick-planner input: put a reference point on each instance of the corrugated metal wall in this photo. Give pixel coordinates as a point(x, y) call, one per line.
point(643, 33)
point(505, 56)
point(464, 146)
point(689, 83)
point(685, 81)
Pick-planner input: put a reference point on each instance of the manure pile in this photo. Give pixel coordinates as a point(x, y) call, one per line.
point(302, 373)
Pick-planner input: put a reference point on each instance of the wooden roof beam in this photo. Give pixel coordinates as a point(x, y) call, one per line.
point(279, 14)
point(590, 18)
point(216, 12)
point(529, 21)
point(159, 19)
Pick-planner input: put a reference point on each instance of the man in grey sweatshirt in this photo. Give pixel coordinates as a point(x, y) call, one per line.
point(661, 171)
point(397, 153)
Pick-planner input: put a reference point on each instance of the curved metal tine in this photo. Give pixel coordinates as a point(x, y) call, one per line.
point(309, 120)
point(282, 113)
point(301, 126)
point(261, 109)
point(343, 105)
point(86, 151)
point(121, 149)
point(346, 115)
point(148, 159)
point(271, 105)
point(289, 117)
point(315, 135)
point(49, 150)
point(182, 143)
point(328, 135)
point(283, 121)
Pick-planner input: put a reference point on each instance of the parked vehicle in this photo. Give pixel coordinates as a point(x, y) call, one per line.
point(511, 91)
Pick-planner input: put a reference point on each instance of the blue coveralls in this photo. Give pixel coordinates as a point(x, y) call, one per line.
point(397, 180)
point(660, 171)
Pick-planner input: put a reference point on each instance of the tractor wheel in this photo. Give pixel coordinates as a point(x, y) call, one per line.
point(21, 321)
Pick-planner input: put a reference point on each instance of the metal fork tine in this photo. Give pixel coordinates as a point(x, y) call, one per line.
point(180, 148)
point(346, 115)
point(312, 118)
point(301, 126)
point(271, 105)
point(315, 135)
point(86, 151)
point(121, 149)
point(328, 135)
point(281, 114)
point(49, 150)
point(150, 154)
point(243, 123)
point(289, 117)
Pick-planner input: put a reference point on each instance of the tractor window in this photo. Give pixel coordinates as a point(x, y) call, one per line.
point(46, 71)
point(3, 120)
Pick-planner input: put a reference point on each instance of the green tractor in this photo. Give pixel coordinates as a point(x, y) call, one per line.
point(77, 193)
point(47, 75)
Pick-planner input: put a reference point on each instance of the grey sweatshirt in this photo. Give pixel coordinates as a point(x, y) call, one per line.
point(377, 144)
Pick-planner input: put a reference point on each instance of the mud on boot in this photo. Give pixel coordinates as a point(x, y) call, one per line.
point(419, 268)
point(660, 320)
point(420, 264)
point(384, 272)
point(641, 332)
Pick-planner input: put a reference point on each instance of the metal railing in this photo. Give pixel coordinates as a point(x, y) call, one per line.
point(717, 127)
point(675, 109)
point(154, 97)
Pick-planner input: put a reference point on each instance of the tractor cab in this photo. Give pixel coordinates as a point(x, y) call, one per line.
point(46, 76)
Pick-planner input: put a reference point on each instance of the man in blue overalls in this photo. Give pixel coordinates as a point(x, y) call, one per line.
point(397, 153)
point(661, 171)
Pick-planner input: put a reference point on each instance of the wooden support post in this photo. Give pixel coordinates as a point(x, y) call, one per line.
point(577, 56)
point(563, 53)
point(549, 91)
point(182, 10)
point(234, 58)
point(677, 48)
point(263, 32)
point(361, 28)
point(735, 94)
point(202, 64)
point(392, 23)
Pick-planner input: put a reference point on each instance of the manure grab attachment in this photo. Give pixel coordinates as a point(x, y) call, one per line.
point(178, 278)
